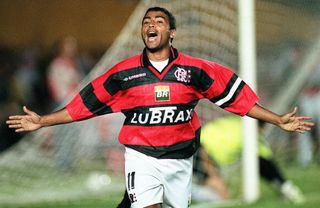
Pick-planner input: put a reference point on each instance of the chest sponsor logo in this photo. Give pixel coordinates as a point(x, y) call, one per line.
point(162, 93)
point(182, 75)
point(162, 115)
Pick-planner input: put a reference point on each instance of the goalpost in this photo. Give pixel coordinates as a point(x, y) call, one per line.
point(207, 29)
point(247, 59)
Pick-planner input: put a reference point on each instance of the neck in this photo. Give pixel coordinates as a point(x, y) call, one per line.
point(159, 55)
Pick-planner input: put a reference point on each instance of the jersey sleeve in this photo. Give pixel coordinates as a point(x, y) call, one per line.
point(228, 90)
point(96, 98)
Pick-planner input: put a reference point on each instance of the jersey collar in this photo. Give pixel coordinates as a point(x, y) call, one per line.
point(146, 63)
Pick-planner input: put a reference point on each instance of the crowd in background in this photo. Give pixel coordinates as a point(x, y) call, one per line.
point(39, 80)
point(277, 66)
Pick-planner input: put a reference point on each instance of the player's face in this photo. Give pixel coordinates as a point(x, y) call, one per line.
point(155, 31)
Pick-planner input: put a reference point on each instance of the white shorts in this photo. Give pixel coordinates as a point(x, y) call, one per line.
point(157, 181)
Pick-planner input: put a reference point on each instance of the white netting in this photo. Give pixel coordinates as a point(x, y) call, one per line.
point(62, 162)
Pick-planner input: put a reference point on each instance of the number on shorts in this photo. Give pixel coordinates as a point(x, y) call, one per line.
point(131, 180)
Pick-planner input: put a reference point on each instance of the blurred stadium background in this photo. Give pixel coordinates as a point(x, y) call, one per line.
point(90, 168)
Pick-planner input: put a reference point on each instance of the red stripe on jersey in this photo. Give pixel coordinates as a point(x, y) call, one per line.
point(134, 61)
point(77, 110)
point(144, 95)
point(99, 90)
point(244, 101)
point(221, 76)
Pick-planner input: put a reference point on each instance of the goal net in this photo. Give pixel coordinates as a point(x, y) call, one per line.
point(84, 158)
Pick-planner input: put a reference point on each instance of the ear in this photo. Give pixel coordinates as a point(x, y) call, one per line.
point(172, 34)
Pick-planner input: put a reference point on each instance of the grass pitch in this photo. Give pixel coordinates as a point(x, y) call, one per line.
point(307, 179)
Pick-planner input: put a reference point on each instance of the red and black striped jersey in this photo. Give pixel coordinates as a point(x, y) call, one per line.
point(159, 107)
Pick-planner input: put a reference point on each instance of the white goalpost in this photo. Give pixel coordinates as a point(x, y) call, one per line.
point(247, 59)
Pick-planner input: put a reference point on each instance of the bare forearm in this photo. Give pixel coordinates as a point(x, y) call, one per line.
point(31, 121)
point(288, 121)
point(260, 113)
point(59, 117)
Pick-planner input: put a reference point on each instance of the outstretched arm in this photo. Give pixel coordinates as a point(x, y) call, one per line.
point(288, 121)
point(32, 121)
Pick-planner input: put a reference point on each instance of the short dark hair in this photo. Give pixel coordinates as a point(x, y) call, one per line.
point(172, 19)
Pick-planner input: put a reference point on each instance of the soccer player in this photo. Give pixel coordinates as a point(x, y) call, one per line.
point(157, 91)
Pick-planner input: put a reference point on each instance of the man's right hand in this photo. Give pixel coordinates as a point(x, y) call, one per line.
point(28, 122)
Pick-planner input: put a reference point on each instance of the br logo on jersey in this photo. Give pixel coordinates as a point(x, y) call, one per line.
point(162, 93)
point(182, 75)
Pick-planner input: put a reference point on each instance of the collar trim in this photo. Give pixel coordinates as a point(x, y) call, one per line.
point(145, 60)
point(146, 63)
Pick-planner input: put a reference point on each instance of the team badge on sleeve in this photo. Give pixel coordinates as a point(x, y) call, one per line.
point(162, 93)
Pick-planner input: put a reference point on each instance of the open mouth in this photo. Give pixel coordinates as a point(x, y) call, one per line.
point(152, 36)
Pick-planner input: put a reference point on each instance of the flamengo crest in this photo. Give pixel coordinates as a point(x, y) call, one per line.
point(182, 75)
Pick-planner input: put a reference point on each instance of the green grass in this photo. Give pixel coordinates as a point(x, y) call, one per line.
point(94, 201)
point(307, 179)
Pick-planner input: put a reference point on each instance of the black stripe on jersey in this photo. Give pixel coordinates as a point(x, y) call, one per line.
point(202, 80)
point(235, 95)
point(128, 78)
point(160, 115)
point(112, 85)
point(92, 102)
point(189, 75)
point(133, 77)
point(226, 90)
point(181, 150)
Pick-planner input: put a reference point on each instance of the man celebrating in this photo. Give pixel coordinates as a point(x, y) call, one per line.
point(157, 91)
